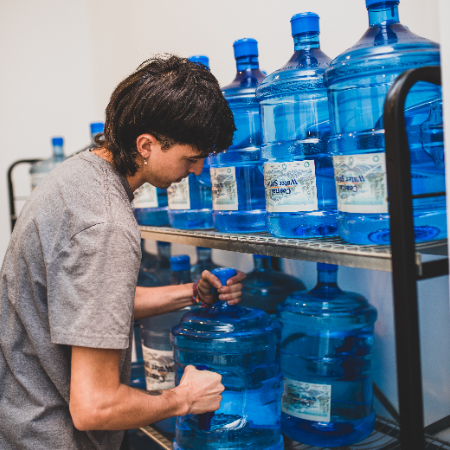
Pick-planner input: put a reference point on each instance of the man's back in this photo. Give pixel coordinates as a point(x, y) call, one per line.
point(68, 278)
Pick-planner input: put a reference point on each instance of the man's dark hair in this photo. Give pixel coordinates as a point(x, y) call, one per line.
point(175, 100)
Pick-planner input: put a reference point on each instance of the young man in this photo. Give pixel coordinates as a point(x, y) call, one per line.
point(68, 282)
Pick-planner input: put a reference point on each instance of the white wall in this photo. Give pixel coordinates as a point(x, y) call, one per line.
point(61, 60)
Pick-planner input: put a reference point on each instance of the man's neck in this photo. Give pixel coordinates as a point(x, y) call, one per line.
point(135, 181)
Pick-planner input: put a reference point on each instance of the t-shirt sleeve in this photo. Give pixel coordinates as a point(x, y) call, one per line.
point(91, 286)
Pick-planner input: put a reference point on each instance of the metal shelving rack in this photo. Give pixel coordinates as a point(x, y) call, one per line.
point(408, 262)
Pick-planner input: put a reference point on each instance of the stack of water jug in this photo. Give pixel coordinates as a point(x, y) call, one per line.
point(307, 160)
point(308, 157)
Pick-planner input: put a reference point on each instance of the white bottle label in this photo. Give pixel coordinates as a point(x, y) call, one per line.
point(291, 186)
point(178, 195)
point(224, 189)
point(361, 183)
point(159, 368)
point(145, 197)
point(36, 178)
point(306, 400)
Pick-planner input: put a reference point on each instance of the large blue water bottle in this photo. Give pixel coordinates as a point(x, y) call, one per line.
point(40, 169)
point(156, 346)
point(204, 262)
point(236, 174)
point(150, 206)
point(298, 170)
point(357, 82)
point(242, 345)
point(326, 357)
point(190, 202)
point(264, 287)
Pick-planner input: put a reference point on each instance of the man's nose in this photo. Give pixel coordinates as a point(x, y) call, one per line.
point(197, 167)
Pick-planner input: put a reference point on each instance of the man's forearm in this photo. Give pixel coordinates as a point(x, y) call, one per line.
point(160, 300)
point(128, 408)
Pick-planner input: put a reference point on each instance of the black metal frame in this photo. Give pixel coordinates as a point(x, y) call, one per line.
point(12, 205)
point(404, 270)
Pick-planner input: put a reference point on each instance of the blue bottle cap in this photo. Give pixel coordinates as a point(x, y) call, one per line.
point(261, 256)
point(373, 2)
point(224, 274)
point(327, 267)
point(305, 23)
point(97, 127)
point(245, 47)
point(179, 263)
point(202, 59)
point(57, 141)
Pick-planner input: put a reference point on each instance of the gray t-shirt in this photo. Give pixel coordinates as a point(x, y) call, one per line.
point(68, 278)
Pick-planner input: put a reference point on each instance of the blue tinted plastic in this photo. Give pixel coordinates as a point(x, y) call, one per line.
point(156, 346)
point(326, 353)
point(236, 175)
point(304, 23)
point(245, 47)
point(358, 81)
point(97, 127)
point(202, 59)
point(265, 288)
point(150, 206)
point(190, 202)
point(298, 169)
point(179, 263)
point(204, 262)
point(242, 345)
point(40, 169)
point(378, 2)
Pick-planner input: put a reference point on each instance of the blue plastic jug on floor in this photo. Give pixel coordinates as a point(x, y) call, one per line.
point(326, 359)
point(237, 178)
point(298, 170)
point(357, 82)
point(242, 345)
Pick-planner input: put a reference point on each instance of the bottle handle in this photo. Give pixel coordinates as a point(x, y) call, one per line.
point(204, 420)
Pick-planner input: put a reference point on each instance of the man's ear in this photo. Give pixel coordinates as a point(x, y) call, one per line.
point(145, 143)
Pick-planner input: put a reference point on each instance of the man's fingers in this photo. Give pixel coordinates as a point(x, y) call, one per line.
point(228, 289)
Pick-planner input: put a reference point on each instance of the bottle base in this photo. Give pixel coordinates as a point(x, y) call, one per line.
point(374, 229)
point(303, 225)
point(152, 217)
point(191, 219)
point(278, 446)
point(332, 434)
point(240, 221)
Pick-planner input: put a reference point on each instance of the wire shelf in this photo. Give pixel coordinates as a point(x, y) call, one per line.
point(384, 437)
point(326, 250)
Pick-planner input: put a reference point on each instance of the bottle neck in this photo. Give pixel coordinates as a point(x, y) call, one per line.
point(306, 41)
point(164, 253)
point(181, 276)
point(247, 63)
point(58, 151)
point(262, 263)
point(204, 254)
point(327, 278)
point(383, 14)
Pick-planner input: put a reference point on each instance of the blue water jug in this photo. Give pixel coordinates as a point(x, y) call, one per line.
point(298, 170)
point(357, 82)
point(326, 357)
point(200, 59)
point(236, 174)
point(156, 346)
point(204, 262)
point(242, 345)
point(40, 169)
point(190, 202)
point(264, 287)
point(150, 206)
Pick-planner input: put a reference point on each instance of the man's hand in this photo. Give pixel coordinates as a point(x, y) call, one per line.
point(231, 293)
point(201, 390)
